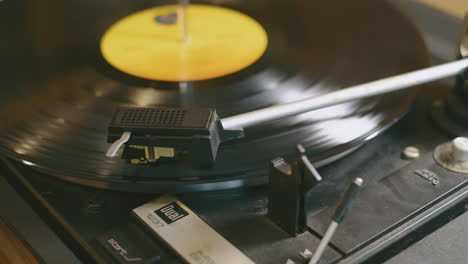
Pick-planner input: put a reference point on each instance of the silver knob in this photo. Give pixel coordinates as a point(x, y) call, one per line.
point(460, 149)
point(453, 155)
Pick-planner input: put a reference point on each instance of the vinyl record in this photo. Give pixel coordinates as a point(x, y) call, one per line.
point(57, 92)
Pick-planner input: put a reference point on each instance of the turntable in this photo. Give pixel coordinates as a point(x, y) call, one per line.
point(219, 80)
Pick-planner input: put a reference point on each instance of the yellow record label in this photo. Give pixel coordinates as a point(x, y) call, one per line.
point(149, 44)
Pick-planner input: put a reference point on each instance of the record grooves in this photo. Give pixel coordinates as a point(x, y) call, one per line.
point(63, 93)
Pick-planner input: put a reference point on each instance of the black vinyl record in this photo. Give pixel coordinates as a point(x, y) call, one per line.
point(57, 93)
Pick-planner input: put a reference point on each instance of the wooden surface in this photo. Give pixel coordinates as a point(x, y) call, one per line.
point(454, 7)
point(12, 249)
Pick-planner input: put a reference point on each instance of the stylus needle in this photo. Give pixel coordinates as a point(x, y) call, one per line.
point(337, 218)
point(182, 18)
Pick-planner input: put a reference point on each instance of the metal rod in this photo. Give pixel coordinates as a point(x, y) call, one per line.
point(182, 18)
point(337, 218)
point(352, 93)
point(324, 242)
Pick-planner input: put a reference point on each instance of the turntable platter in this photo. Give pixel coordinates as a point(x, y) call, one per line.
point(57, 92)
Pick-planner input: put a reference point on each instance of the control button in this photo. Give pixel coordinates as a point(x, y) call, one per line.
point(411, 153)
